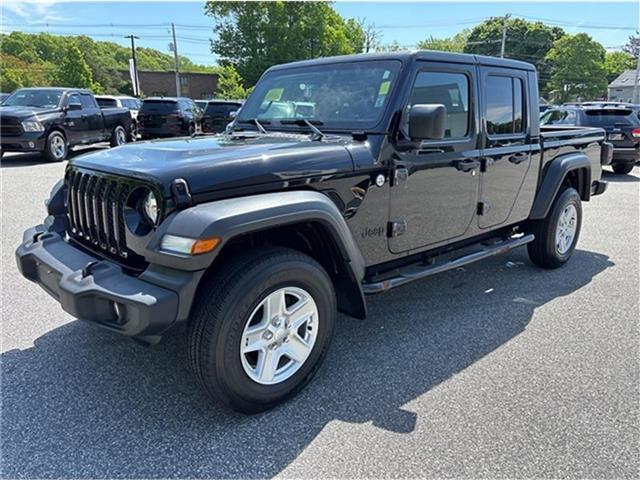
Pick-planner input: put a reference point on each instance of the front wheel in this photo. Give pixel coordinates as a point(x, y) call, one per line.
point(261, 327)
point(557, 234)
point(56, 147)
point(118, 136)
point(192, 130)
point(622, 168)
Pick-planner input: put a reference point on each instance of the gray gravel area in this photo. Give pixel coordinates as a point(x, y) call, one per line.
point(499, 369)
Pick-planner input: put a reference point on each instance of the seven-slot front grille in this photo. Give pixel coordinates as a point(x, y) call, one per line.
point(96, 210)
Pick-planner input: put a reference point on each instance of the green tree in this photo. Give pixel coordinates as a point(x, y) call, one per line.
point(457, 43)
point(617, 62)
point(632, 46)
point(526, 41)
point(74, 71)
point(394, 46)
point(577, 68)
point(252, 36)
point(230, 83)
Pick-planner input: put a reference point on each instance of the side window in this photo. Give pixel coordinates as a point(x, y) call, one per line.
point(505, 105)
point(87, 101)
point(570, 118)
point(74, 98)
point(450, 90)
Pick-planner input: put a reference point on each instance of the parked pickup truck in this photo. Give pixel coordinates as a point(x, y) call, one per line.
point(396, 166)
point(52, 120)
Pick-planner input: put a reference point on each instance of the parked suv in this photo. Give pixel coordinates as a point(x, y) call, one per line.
point(621, 124)
point(131, 103)
point(168, 117)
point(218, 114)
point(393, 167)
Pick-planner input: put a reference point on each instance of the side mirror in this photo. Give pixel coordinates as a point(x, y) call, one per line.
point(427, 122)
point(74, 106)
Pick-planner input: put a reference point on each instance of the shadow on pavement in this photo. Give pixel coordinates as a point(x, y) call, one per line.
point(11, 160)
point(83, 402)
point(616, 178)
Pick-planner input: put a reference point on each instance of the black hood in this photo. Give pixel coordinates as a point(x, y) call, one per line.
point(221, 162)
point(22, 113)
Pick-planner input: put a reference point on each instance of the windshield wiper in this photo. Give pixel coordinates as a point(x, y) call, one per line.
point(316, 132)
point(252, 121)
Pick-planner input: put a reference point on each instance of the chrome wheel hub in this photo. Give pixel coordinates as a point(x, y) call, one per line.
point(566, 229)
point(57, 146)
point(279, 335)
point(121, 136)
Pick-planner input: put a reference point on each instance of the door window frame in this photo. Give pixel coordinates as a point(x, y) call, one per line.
point(487, 71)
point(430, 66)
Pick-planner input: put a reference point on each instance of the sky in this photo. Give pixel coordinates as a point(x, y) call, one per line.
point(609, 23)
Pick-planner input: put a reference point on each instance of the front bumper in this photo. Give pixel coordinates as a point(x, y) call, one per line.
point(90, 288)
point(27, 142)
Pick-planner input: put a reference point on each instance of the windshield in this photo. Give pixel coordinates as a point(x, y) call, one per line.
point(610, 118)
point(221, 109)
point(342, 95)
point(34, 98)
point(159, 106)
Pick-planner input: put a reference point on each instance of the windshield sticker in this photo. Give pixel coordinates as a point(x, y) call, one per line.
point(274, 95)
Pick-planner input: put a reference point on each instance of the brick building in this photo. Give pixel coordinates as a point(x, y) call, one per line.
point(193, 85)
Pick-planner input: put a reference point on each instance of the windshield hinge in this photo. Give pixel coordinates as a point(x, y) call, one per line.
point(181, 194)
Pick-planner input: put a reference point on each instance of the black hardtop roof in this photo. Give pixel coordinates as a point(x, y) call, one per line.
point(411, 56)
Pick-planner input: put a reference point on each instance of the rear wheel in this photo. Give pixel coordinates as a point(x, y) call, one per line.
point(557, 234)
point(118, 136)
point(56, 148)
point(622, 168)
point(261, 327)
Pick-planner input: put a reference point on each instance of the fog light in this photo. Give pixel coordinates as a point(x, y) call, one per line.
point(32, 145)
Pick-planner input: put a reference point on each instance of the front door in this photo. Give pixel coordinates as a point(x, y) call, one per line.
point(435, 189)
point(507, 151)
point(75, 121)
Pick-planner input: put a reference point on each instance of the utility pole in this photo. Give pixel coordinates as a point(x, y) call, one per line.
point(134, 79)
point(175, 59)
point(504, 34)
point(636, 84)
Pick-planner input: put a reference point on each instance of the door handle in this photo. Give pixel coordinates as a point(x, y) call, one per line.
point(518, 158)
point(467, 165)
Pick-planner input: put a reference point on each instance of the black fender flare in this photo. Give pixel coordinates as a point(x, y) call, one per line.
point(229, 218)
point(553, 176)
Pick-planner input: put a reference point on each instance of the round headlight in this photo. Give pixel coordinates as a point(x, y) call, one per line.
point(151, 207)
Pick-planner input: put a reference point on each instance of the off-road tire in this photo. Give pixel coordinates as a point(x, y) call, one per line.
point(49, 148)
point(118, 136)
point(543, 250)
point(224, 302)
point(622, 168)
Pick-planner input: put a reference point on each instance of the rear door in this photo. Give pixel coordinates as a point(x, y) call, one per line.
point(93, 115)
point(436, 183)
point(506, 156)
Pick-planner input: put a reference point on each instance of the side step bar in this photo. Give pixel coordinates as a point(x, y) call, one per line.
point(412, 272)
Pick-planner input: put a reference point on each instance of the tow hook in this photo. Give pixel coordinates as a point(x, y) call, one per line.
point(86, 271)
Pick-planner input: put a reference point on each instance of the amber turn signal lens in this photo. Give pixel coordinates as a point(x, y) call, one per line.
point(204, 245)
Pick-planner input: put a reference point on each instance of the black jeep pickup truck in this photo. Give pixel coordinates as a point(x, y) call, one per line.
point(51, 120)
point(340, 177)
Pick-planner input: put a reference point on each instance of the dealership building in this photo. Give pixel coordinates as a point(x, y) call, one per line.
point(199, 86)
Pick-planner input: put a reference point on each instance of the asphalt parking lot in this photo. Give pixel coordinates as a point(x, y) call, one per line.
point(497, 370)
